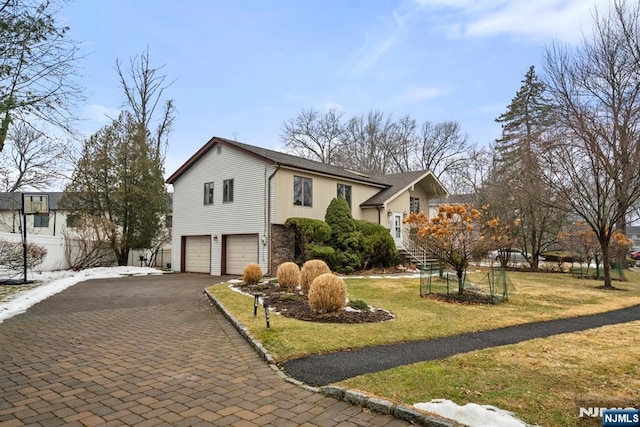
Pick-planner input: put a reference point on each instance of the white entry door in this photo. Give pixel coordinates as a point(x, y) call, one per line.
point(396, 228)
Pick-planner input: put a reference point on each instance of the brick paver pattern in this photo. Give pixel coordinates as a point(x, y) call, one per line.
point(148, 351)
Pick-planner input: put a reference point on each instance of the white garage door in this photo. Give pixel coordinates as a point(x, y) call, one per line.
point(198, 254)
point(241, 250)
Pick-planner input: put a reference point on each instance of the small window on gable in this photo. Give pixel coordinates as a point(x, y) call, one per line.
point(227, 190)
point(302, 191)
point(208, 193)
point(41, 220)
point(414, 205)
point(344, 191)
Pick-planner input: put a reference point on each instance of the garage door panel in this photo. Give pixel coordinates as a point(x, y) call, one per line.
point(198, 254)
point(241, 250)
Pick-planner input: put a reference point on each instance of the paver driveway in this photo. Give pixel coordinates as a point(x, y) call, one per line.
point(147, 351)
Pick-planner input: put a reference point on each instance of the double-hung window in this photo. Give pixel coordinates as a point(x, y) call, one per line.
point(414, 205)
point(302, 191)
point(208, 193)
point(344, 191)
point(227, 190)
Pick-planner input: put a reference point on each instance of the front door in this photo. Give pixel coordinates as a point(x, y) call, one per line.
point(396, 228)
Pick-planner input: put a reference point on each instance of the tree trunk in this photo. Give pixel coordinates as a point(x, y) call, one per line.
point(460, 274)
point(606, 265)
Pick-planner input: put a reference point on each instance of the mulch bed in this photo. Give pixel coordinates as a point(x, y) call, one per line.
point(296, 306)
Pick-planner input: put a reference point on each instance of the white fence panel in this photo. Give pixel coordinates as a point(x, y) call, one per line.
point(55, 259)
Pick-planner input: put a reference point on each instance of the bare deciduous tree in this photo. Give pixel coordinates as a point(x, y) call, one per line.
point(37, 65)
point(314, 134)
point(31, 160)
point(594, 160)
point(442, 148)
point(144, 89)
point(367, 141)
point(87, 243)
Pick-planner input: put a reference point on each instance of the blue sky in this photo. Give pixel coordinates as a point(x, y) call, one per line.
point(242, 67)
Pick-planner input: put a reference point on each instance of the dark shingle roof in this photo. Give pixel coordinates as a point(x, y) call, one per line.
point(13, 201)
point(397, 183)
point(278, 158)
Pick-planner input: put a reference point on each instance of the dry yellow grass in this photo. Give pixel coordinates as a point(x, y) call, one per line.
point(288, 275)
point(309, 271)
point(544, 381)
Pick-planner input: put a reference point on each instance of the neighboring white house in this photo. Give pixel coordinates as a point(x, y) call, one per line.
point(230, 202)
point(50, 228)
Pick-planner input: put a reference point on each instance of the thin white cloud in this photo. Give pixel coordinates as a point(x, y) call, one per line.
point(382, 37)
point(421, 93)
point(563, 20)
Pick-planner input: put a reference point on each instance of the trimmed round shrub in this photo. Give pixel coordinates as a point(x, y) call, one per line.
point(327, 294)
point(310, 270)
point(252, 273)
point(288, 275)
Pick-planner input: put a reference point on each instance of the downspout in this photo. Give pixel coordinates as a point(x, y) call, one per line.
point(267, 223)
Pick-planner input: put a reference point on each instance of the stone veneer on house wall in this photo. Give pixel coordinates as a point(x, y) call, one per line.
point(282, 246)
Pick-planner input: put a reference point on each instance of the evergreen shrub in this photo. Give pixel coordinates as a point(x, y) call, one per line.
point(346, 239)
point(378, 245)
point(308, 233)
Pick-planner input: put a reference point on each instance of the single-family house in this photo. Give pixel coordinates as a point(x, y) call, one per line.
point(231, 200)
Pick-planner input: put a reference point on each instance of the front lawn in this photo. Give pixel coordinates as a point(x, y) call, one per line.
point(537, 297)
point(543, 381)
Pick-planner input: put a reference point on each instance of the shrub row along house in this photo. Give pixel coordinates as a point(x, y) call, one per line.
point(231, 201)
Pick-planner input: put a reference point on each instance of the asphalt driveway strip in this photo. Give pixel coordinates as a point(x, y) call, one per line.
point(323, 369)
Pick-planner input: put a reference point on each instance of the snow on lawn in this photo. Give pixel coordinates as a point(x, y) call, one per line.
point(471, 414)
point(50, 283)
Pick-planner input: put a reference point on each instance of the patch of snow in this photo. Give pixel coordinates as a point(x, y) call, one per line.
point(472, 414)
point(50, 283)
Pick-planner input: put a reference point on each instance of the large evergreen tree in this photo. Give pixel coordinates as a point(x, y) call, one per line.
point(515, 190)
point(119, 179)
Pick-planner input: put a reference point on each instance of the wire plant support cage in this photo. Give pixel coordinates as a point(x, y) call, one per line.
point(493, 287)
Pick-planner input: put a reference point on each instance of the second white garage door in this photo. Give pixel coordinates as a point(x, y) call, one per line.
point(241, 250)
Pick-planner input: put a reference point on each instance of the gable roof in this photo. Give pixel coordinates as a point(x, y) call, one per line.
point(398, 183)
point(277, 158)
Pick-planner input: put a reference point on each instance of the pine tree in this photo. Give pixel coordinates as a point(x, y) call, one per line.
point(523, 123)
point(515, 187)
